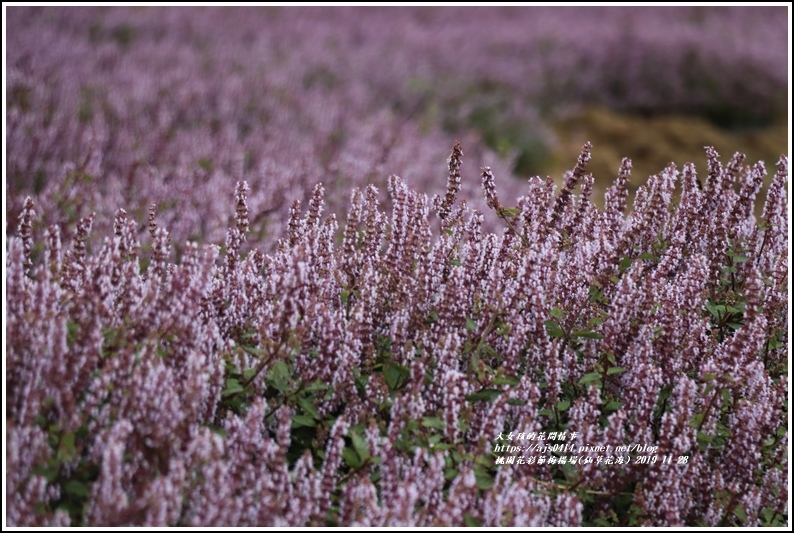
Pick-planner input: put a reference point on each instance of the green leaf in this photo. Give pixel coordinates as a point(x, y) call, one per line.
point(315, 386)
point(767, 514)
point(614, 405)
point(592, 377)
point(470, 521)
point(726, 396)
point(303, 421)
point(739, 512)
point(279, 377)
point(615, 370)
point(455, 262)
point(434, 440)
point(563, 405)
point(351, 458)
point(511, 212)
point(589, 378)
point(471, 325)
point(433, 422)
point(506, 380)
point(433, 318)
point(553, 329)
point(383, 343)
point(66, 447)
point(217, 430)
point(696, 420)
point(232, 387)
point(360, 445)
point(556, 312)
point(76, 488)
point(516, 401)
point(587, 334)
point(49, 471)
point(483, 478)
point(71, 333)
point(395, 375)
point(344, 296)
point(595, 322)
point(487, 349)
point(485, 395)
point(254, 351)
point(646, 256)
point(308, 408)
point(625, 263)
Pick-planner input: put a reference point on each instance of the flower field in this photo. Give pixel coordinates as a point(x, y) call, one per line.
point(274, 267)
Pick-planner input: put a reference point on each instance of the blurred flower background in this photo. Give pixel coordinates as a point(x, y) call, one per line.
point(112, 107)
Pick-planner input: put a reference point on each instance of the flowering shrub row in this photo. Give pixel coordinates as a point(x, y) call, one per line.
point(365, 374)
point(126, 106)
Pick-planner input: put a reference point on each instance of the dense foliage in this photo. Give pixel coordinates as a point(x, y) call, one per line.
point(368, 381)
point(241, 346)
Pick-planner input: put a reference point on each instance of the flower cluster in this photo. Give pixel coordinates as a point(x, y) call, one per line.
point(362, 375)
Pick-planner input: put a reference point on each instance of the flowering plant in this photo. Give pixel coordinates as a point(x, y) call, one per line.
point(368, 374)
